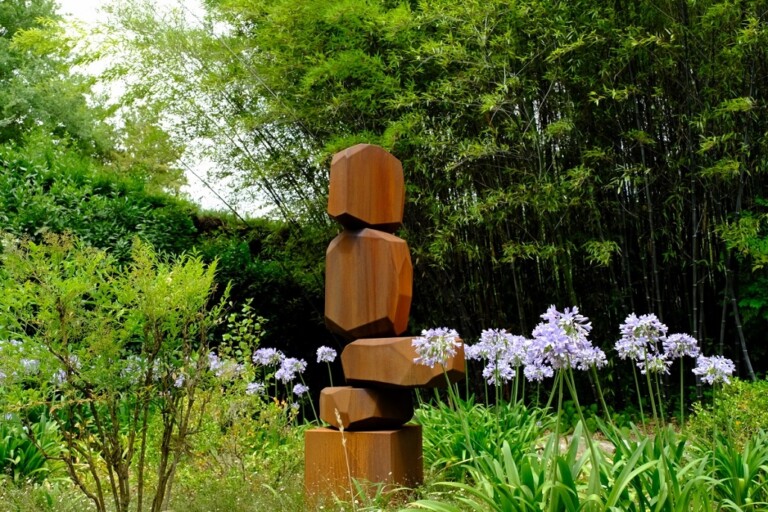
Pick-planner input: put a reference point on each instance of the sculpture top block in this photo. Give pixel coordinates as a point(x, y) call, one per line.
point(367, 189)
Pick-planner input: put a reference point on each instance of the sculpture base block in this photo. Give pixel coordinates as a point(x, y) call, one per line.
point(389, 457)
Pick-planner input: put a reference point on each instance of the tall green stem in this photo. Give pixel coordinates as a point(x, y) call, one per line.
point(309, 397)
point(658, 395)
point(651, 393)
point(601, 397)
point(517, 383)
point(682, 407)
point(559, 390)
point(594, 480)
point(639, 395)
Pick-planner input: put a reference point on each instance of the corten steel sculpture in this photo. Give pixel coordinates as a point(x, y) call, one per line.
point(388, 362)
point(369, 280)
point(371, 270)
point(365, 409)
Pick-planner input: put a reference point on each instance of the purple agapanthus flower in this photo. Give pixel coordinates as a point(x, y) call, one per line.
point(560, 342)
point(492, 346)
point(214, 362)
point(591, 357)
point(497, 345)
point(255, 388)
point(497, 375)
point(640, 336)
point(537, 373)
point(654, 363)
point(300, 389)
point(326, 355)
point(289, 368)
point(436, 346)
point(268, 357)
point(58, 378)
point(715, 369)
point(30, 366)
point(679, 345)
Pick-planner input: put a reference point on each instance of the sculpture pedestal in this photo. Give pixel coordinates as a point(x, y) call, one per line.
point(389, 457)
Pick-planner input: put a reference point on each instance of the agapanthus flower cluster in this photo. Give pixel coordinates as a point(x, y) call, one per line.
point(255, 388)
point(537, 373)
point(326, 355)
point(715, 369)
point(641, 339)
point(560, 342)
point(502, 351)
point(290, 368)
point(640, 336)
point(679, 345)
point(436, 346)
point(30, 366)
point(268, 357)
point(300, 389)
point(134, 366)
point(654, 363)
point(224, 368)
point(497, 375)
point(214, 361)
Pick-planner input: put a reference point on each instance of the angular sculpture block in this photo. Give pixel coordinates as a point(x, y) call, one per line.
point(391, 457)
point(365, 409)
point(368, 284)
point(389, 362)
point(366, 188)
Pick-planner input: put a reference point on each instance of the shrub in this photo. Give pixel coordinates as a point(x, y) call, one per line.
point(108, 349)
point(740, 410)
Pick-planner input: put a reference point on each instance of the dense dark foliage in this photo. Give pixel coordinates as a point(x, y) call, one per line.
point(601, 154)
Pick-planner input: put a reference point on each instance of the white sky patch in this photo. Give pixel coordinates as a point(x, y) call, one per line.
point(91, 12)
point(84, 10)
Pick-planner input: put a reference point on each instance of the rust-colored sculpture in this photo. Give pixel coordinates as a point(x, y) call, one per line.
point(366, 189)
point(365, 409)
point(363, 363)
point(391, 457)
point(369, 281)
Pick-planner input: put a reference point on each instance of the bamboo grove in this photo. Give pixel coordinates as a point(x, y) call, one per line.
point(610, 155)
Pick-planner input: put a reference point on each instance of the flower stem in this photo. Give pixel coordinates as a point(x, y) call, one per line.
point(650, 393)
point(517, 384)
point(309, 397)
point(658, 393)
point(639, 396)
point(559, 389)
point(594, 480)
point(601, 397)
point(682, 407)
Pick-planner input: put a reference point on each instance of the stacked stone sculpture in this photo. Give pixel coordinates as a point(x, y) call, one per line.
point(368, 290)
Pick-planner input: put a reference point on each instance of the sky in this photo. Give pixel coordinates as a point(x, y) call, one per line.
point(89, 11)
point(84, 10)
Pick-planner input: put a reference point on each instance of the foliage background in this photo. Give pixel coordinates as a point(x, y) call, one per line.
point(607, 155)
point(585, 153)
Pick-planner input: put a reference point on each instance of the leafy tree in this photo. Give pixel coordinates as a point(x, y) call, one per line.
point(38, 91)
point(107, 351)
